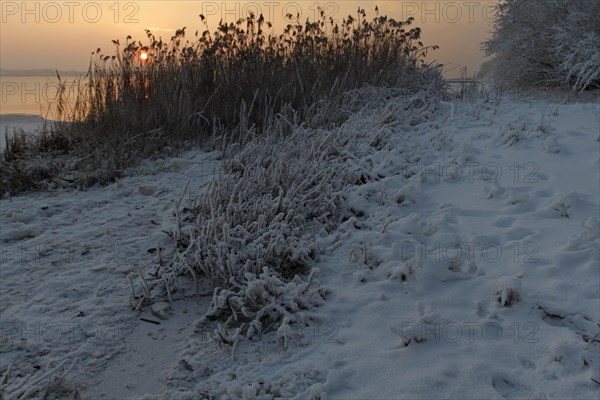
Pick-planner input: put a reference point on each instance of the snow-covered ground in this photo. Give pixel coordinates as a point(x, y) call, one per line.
point(470, 270)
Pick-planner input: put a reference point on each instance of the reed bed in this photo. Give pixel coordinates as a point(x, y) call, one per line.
point(210, 89)
point(244, 73)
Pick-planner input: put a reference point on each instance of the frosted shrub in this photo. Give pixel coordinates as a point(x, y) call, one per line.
point(577, 45)
point(542, 43)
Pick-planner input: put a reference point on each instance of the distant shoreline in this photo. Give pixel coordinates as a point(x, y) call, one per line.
point(38, 72)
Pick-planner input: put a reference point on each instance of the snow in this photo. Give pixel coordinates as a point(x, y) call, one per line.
point(65, 258)
point(466, 266)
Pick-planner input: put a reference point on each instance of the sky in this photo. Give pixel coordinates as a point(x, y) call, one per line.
point(62, 34)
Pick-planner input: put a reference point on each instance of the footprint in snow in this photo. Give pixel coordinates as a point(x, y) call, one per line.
point(588, 238)
point(19, 217)
point(551, 146)
point(504, 222)
point(544, 193)
point(20, 232)
point(518, 233)
point(527, 363)
point(146, 190)
point(482, 312)
point(564, 206)
point(510, 388)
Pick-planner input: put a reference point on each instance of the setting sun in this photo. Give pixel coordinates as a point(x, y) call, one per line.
point(143, 56)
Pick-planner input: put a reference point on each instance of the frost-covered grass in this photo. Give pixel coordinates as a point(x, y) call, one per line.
point(242, 77)
point(541, 44)
point(255, 231)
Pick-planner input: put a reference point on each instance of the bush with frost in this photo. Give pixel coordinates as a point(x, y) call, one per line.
point(546, 43)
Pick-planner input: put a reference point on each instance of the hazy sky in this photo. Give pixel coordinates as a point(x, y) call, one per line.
point(62, 34)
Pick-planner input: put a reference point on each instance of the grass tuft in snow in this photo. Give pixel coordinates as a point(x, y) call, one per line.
point(255, 232)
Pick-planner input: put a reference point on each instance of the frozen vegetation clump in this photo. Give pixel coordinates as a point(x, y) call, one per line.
point(258, 228)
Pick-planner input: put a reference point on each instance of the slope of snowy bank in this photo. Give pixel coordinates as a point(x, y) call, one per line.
point(469, 269)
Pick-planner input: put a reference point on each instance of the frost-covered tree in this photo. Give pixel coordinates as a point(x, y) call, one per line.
point(545, 43)
point(577, 44)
